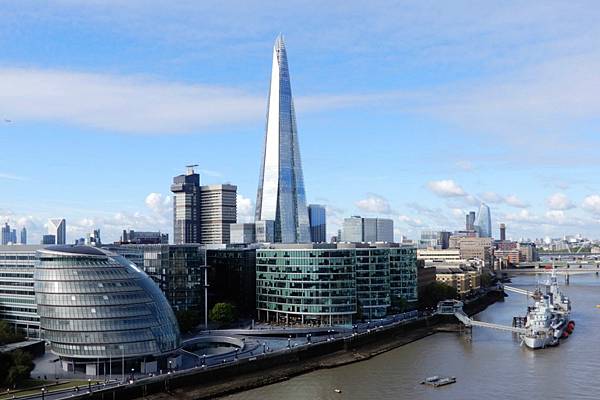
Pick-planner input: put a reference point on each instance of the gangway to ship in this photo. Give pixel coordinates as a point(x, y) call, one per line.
point(455, 307)
point(464, 318)
point(520, 291)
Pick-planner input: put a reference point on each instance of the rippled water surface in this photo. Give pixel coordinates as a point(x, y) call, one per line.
point(492, 366)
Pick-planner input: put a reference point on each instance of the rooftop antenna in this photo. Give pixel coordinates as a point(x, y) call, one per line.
point(190, 168)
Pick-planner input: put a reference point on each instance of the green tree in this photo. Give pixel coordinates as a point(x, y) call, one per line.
point(222, 313)
point(399, 304)
point(187, 320)
point(18, 365)
point(8, 335)
point(435, 292)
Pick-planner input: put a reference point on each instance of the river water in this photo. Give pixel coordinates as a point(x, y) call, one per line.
point(492, 366)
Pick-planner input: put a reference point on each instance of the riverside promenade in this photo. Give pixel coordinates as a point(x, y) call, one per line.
point(266, 360)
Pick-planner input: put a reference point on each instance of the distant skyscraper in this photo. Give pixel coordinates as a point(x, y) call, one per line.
point(218, 210)
point(58, 228)
point(470, 223)
point(186, 207)
point(48, 239)
point(484, 221)
point(281, 196)
point(6, 234)
point(24, 235)
point(318, 223)
point(502, 232)
point(358, 229)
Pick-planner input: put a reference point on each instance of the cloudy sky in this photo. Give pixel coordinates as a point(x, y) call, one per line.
point(413, 110)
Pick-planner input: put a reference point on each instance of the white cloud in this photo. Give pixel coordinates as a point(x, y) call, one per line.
point(122, 103)
point(513, 201)
point(446, 188)
point(374, 204)
point(510, 200)
point(559, 201)
point(411, 221)
point(592, 204)
point(11, 177)
point(245, 209)
point(158, 203)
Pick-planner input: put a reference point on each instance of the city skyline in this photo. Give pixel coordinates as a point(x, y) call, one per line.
point(426, 94)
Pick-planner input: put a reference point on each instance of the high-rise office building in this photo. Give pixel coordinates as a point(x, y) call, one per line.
point(281, 196)
point(5, 234)
point(48, 239)
point(186, 207)
point(470, 221)
point(359, 229)
point(23, 235)
point(484, 221)
point(58, 228)
point(318, 223)
point(218, 210)
point(242, 233)
point(502, 232)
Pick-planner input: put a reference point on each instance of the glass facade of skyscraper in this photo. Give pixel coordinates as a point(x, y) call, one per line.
point(318, 223)
point(281, 196)
point(484, 221)
point(186, 207)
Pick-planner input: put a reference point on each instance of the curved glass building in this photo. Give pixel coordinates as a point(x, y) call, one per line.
point(96, 306)
point(306, 286)
point(484, 221)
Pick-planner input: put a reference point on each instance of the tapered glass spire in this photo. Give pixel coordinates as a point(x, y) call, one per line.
point(281, 197)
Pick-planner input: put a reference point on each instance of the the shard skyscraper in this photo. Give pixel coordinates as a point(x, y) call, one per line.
point(281, 197)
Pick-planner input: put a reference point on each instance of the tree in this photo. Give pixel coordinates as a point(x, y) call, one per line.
point(222, 313)
point(187, 320)
point(399, 304)
point(435, 292)
point(8, 335)
point(18, 365)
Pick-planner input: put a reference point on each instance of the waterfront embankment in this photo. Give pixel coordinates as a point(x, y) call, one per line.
point(245, 374)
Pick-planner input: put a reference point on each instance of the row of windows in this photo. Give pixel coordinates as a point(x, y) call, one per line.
point(107, 299)
point(138, 335)
point(104, 351)
point(96, 325)
point(92, 312)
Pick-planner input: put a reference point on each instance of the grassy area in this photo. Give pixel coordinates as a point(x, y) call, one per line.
point(23, 390)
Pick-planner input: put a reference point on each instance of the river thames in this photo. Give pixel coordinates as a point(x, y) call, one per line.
point(492, 366)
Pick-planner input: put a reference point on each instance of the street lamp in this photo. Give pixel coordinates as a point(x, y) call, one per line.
point(90, 385)
point(203, 360)
point(43, 393)
point(170, 369)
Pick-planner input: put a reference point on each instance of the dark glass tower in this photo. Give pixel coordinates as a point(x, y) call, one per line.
point(186, 207)
point(281, 197)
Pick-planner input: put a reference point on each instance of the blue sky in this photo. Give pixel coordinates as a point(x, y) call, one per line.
point(412, 110)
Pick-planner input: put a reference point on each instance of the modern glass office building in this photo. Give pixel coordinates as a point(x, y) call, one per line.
point(484, 221)
point(98, 309)
point(403, 274)
point(186, 207)
point(17, 297)
point(281, 197)
point(373, 281)
point(306, 286)
point(318, 223)
point(178, 270)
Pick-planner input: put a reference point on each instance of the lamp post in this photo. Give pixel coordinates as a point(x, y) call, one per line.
point(90, 385)
point(43, 393)
point(203, 360)
point(122, 363)
point(170, 369)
